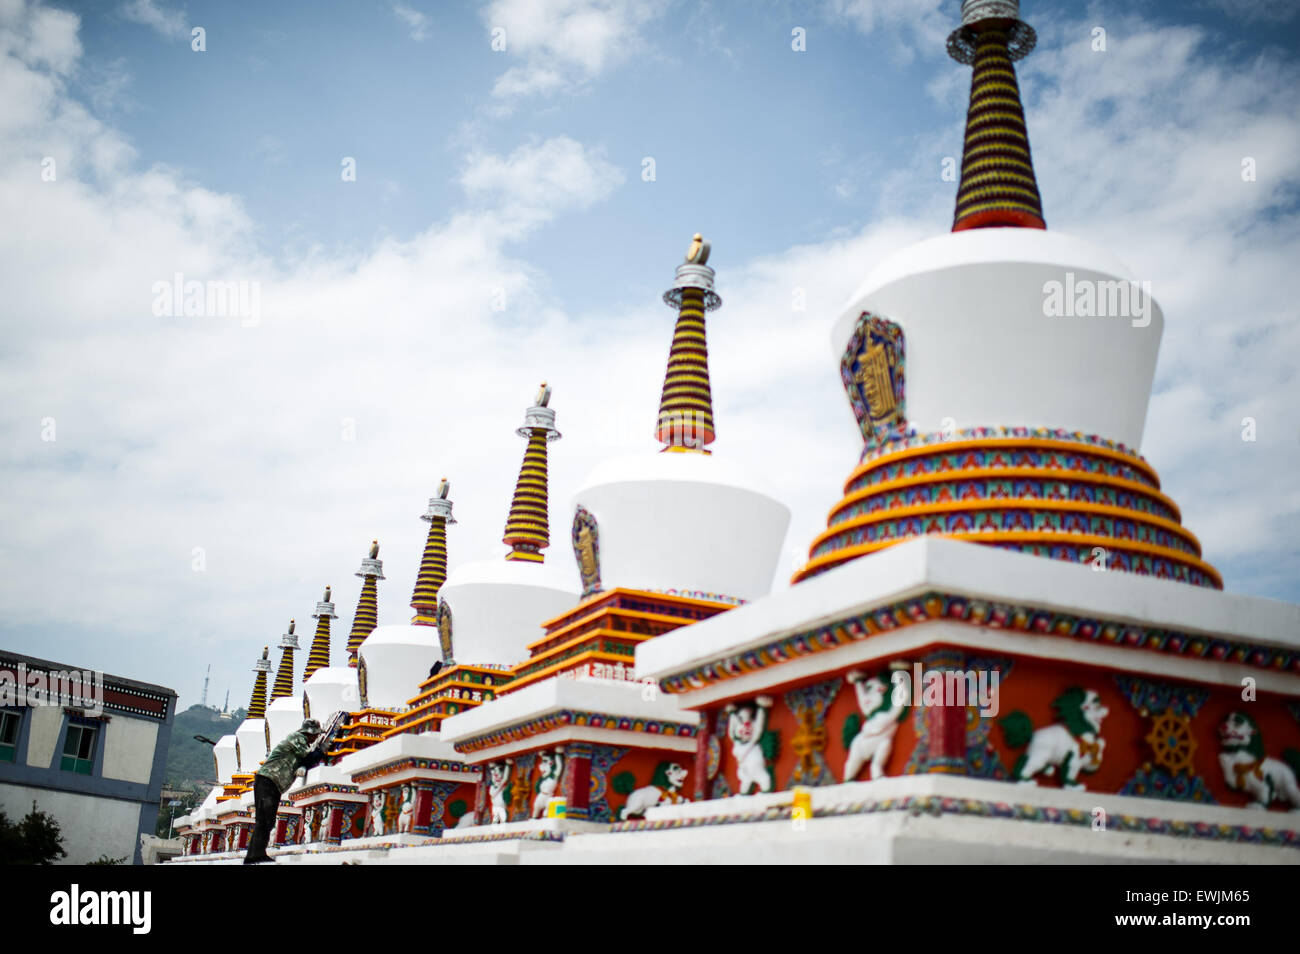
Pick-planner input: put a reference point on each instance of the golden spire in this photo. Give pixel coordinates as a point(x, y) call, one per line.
point(284, 675)
point(319, 657)
point(998, 187)
point(528, 525)
point(433, 564)
point(686, 404)
point(366, 617)
point(257, 704)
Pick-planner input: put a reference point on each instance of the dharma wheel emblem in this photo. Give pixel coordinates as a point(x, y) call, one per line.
point(872, 370)
point(586, 550)
point(1172, 742)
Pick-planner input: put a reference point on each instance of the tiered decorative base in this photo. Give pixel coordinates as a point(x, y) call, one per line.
point(1062, 495)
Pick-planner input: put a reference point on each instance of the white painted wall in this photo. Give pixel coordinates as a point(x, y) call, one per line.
point(91, 826)
point(45, 721)
point(129, 749)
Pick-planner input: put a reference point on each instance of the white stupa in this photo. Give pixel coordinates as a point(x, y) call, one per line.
point(327, 689)
point(684, 519)
point(250, 737)
point(490, 611)
point(393, 660)
point(284, 714)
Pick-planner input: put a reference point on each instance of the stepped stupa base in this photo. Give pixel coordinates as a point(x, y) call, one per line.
point(916, 819)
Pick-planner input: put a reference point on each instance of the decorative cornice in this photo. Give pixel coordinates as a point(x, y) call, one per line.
point(994, 615)
point(411, 763)
point(568, 717)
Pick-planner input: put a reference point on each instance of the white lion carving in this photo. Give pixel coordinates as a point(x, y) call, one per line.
point(1073, 745)
point(1247, 769)
point(665, 786)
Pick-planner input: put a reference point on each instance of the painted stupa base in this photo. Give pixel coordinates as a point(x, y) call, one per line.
point(944, 819)
point(236, 818)
point(332, 808)
point(910, 819)
point(940, 657)
point(288, 818)
point(415, 786)
point(605, 747)
point(1065, 496)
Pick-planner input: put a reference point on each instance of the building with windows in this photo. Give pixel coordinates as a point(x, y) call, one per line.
point(87, 748)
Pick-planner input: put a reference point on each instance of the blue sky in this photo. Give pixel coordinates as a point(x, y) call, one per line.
point(521, 170)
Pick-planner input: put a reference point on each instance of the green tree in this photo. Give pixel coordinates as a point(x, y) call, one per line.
point(36, 840)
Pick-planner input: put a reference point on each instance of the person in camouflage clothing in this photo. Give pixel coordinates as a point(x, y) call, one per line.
point(277, 774)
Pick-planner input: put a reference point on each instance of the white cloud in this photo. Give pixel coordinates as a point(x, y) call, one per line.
point(540, 179)
point(914, 25)
point(416, 22)
point(564, 43)
point(170, 23)
point(39, 37)
point(1250, 11)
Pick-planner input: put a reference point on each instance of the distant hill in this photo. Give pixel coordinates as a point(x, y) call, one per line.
point(189, 766)
point(189, 761)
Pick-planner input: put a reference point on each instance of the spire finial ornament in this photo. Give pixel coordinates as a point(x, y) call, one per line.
point(686, 405)
point(528, 526)
point(698, 253)
point(319, 657)
point(284, 675)
point(257, 704)
point(998, 187)
point(366, 618)
point(433, 564)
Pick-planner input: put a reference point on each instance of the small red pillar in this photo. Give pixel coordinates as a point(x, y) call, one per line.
point(577, 781)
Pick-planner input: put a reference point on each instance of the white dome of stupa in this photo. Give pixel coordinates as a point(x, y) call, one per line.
point(328, 691)
point(994, 337)
point(251, 737)
point(394, 660)
point(683, 521)
point(497, 608)
point(283, 716)
point(224, 754)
